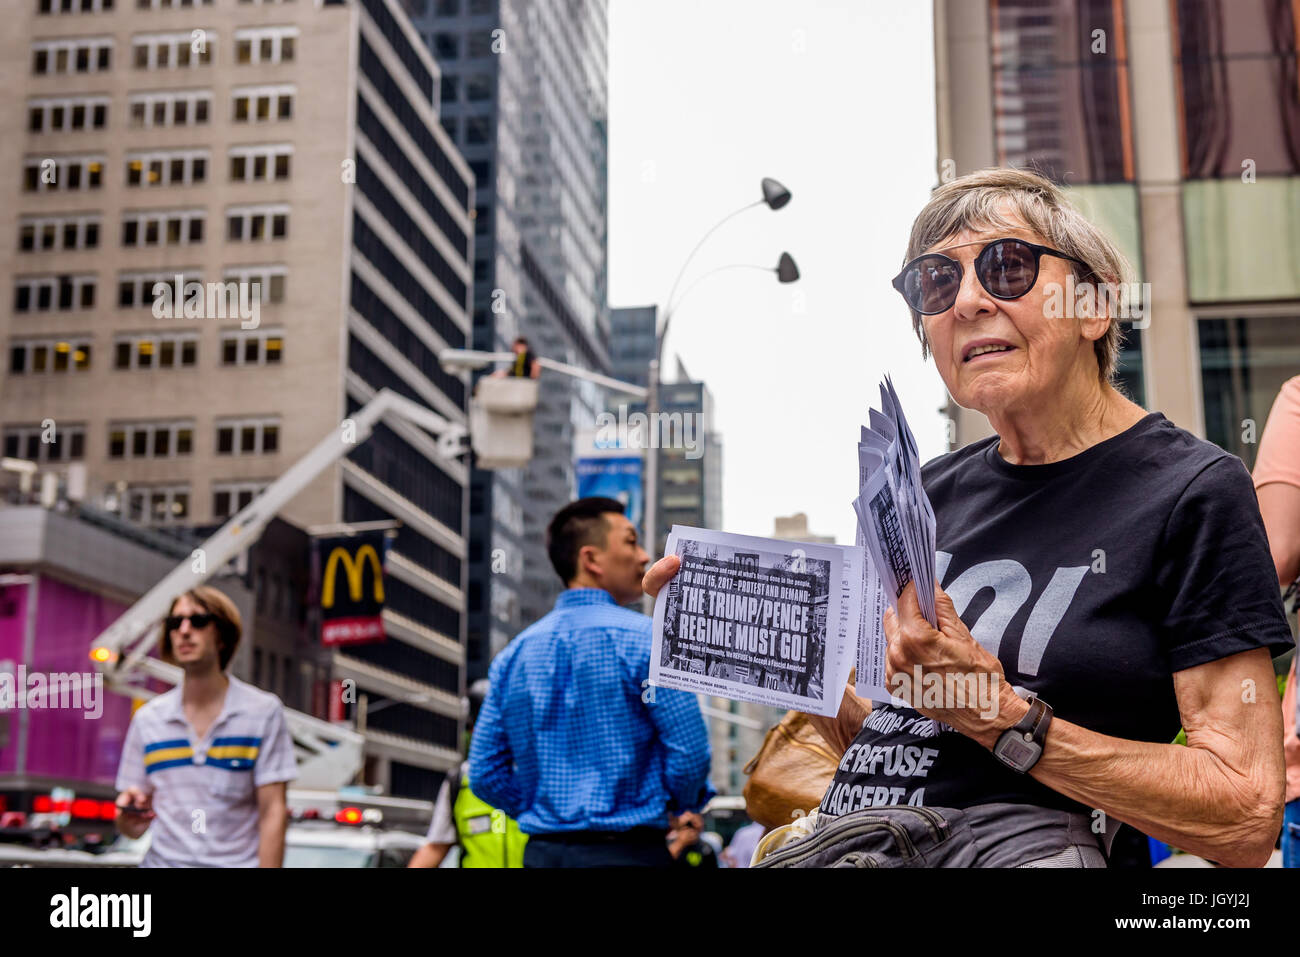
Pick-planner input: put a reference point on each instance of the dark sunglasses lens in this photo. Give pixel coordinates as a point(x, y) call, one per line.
point(200, 621)
point(1007, 268)
point(173, 622)
point(930, 285)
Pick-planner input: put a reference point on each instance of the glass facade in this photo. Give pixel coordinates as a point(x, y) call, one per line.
point(1244, 362)
point(1060, 89)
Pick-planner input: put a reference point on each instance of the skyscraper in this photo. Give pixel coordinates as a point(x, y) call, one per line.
point(523, 94)
point(291, 145)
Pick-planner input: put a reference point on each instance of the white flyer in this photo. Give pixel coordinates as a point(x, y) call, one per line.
point(758, 619)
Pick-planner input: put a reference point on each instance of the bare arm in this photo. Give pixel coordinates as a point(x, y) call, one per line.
point(272, 821)
point(1279, 504)
point(1220, 797)
point(429, 855)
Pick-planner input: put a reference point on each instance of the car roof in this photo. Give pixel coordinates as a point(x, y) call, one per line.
point(306, 834)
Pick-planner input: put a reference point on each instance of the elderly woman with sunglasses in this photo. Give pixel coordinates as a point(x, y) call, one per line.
point(1106, 571)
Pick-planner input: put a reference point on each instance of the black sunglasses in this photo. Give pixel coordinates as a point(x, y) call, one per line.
point(197, 621)
point(1007, 268)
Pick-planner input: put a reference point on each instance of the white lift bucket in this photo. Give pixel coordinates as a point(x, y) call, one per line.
point(501, 421)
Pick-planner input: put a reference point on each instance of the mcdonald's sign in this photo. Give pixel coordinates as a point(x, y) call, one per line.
point(351, 603)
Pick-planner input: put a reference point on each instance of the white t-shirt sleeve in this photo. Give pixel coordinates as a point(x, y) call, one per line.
point(275, 760)
point(442, 830)
point(130, 769)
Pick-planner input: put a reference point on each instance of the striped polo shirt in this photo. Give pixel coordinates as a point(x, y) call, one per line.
point(204, 790)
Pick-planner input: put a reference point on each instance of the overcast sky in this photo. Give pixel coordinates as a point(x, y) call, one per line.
point(835, 100)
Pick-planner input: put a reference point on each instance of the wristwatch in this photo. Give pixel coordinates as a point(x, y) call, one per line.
point(1020, 747)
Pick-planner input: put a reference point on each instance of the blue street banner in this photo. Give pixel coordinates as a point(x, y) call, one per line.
point(618, 478)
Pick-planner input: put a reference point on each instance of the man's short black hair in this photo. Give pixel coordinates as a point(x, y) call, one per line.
point(578, 524)
point(520, 341)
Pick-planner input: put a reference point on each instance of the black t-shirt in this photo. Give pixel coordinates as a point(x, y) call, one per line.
point(1093, 580)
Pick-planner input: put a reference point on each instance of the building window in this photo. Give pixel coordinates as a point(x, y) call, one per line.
point(53, 293)
point(40, 356)
point(270, 279)
point(42, 233)
point(262, 104)
point(257, 223)
point(170, 350)
point(252, 347)
point(166, 108)
point(265, 45)
point(1057, 105)
point(228, 498)
point(478, 88)
point(150, 440)
point(73, 6)
point(259, 436)
point(137, 289)
point(1237, 91)
point(169, 51)
point(163, 227)
point(170, 4)
point(167, 168)
point(72, 56)
point(157, 504)
point(253, 164)
point(47, 174)
point(446, 46)
point(66, 114)
point(59, 443)
point(1244, 363)
point(480, 44)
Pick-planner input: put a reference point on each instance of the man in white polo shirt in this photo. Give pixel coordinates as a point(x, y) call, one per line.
point(207, 763)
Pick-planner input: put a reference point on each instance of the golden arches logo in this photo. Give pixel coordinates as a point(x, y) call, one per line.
point(353, 568)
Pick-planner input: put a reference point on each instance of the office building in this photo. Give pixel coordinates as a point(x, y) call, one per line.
point(523, 95)
point(295, 146)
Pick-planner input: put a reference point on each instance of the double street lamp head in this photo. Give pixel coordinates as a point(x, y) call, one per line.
point(774, 194)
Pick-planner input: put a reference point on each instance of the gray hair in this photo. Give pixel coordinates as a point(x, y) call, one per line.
point(972, 202)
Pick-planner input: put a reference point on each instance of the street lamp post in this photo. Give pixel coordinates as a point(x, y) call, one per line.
point(775, 196)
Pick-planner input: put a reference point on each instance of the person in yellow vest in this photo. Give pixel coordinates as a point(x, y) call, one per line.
point(524, 365)
point(487, 838)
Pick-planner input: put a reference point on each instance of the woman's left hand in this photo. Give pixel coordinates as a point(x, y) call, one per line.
point(961, 683)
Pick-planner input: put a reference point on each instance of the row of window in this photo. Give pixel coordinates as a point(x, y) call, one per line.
point(105, 6)
point(253, 45)
point(70, 232)
point(248, 164)
point(63, 293)
point(243, 347)
point(136, 289)
point(158, 109)
point(62, 443)
point(168, 504)
point(161, 440)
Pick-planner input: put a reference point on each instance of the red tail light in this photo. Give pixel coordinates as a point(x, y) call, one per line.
point(348, 815)
point(42, 804)
point(85, 808)
point(107, 810)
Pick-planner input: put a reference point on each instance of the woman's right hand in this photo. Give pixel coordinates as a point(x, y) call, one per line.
point(659, 574)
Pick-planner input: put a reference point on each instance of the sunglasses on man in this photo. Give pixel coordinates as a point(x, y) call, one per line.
point(1006, 268)
point(197, 621)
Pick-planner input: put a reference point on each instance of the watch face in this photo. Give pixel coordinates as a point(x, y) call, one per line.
point(1014, 751)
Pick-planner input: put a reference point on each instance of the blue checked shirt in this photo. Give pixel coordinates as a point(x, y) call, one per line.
point(568, 739)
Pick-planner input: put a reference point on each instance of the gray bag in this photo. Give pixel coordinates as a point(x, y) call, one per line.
point(893, 836)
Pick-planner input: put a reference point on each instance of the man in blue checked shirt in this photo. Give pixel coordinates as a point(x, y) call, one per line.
point(572, 741)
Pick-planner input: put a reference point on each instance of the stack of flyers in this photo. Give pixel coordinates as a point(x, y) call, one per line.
point(896, 526)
